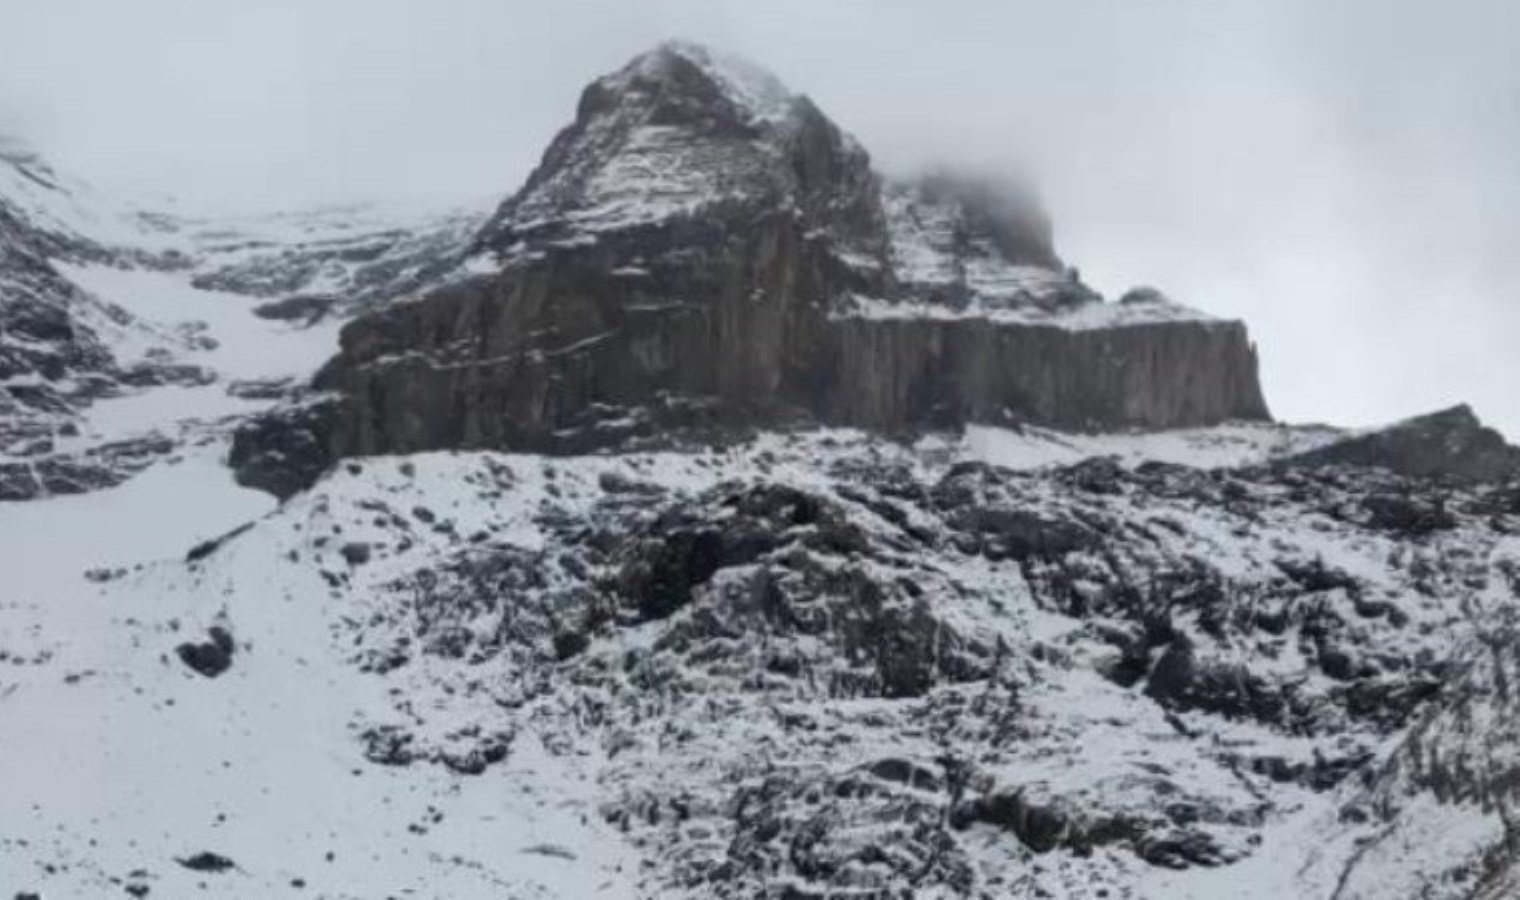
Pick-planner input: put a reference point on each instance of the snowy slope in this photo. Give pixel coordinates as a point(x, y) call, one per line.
point(412, 709)
point(1225, 446)
point(122, 760)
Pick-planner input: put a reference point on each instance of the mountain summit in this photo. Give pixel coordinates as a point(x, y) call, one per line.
point(678, 132)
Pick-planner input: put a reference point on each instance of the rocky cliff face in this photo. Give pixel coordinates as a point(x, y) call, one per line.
point(702, 246)
point(900, 373)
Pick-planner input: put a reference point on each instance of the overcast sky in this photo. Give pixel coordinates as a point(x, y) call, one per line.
point(1345, 176)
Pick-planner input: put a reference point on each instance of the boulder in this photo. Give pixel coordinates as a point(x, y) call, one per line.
point(211, 657)
point(206, 861)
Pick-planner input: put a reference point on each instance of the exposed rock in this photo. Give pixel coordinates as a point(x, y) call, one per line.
point(304, 308)
point(206, 861)
point(205, 548)
point(262, 388)
point(552, 850)
point(18, 482)
point(283, 451)
point(210, 658)
point(617, 483)
point(1046, 823)
point(1408, 515)
point(1449, 444)
point(102, 466)
point(388, 745)
point(901, 373)
point(1182, 680)
point(1004, 533)
point(161, 374)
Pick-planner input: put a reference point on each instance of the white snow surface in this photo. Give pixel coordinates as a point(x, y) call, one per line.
point(1222, 446)
point(246, 346)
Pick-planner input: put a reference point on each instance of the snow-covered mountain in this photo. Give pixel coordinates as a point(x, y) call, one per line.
point(660, 624)
point(102, 306)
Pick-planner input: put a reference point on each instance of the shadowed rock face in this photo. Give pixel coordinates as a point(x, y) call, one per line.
point(558, 348)
point(1451, 443)
point(701, 247)
point(898, 374)
point(561, 355)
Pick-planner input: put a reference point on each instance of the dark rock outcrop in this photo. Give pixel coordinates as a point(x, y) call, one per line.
point(46, 473)
point(284, 450)
point(1449, 444)
point(778, 561)
point(206, 861)
point(211, 657)
point(903, 373)
point(304, 308)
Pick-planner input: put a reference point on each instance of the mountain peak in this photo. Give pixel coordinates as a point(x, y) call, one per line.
point(681, 130)
point(753, 91)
